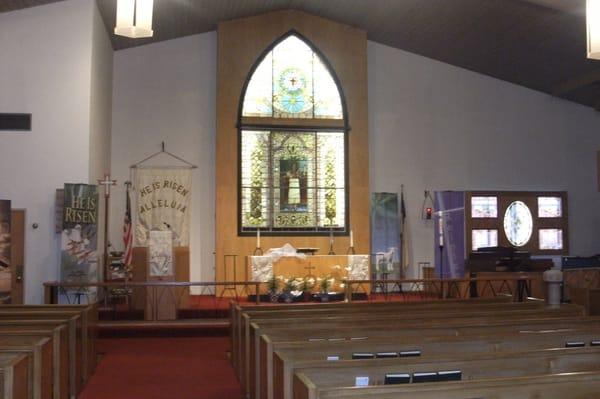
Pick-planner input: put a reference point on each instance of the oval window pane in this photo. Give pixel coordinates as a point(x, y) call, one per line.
point(518, 223)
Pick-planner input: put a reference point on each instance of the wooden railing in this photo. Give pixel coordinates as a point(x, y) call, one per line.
point(517, 287)
point(153, 300)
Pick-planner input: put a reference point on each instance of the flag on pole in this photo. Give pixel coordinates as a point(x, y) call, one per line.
point(127, 231)
point(404, 255)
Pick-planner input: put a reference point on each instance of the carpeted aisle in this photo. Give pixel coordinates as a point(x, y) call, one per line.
point(153, 368)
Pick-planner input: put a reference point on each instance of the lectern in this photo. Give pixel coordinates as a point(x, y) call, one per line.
point(160, 301)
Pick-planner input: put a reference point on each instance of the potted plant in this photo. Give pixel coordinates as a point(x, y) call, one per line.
point(272, 287)
point(324, 286)
point(306, 287)
point(287, 290)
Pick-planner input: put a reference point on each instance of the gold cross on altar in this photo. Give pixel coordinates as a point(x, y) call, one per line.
point(309, 268)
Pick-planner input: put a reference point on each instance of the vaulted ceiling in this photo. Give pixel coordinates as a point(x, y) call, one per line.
point(538, 44)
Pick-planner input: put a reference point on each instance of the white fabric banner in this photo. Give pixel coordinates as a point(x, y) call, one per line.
point(163, 203)
point(160, 253)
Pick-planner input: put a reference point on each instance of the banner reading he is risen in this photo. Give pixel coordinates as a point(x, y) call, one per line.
point(163, 203)
point(79, 239)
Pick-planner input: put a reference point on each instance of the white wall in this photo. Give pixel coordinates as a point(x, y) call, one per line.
point(45, 70)
point(100, 101)
point(437, 127)
point(166, 92)
point(432, 127)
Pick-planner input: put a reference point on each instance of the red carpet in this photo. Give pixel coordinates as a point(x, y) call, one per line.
point(163, 368)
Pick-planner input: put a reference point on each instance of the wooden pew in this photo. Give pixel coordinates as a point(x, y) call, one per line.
point(86, 326)
point(89, 320)
point(14, 376)
point(393, 320)
point(66, 375)
point(291, 357)
point(39, 350)
point(241, 315)
point(580, 385)
point(236, 311)
point(292, 317)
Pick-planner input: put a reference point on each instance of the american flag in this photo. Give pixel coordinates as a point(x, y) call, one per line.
point(127, 231)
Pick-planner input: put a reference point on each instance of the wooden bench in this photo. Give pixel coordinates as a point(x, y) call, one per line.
point(65, 362)
point(396, 320)
point(579, 385)
point(39, 350)
point(288, 358)
point(236, 311)
point(14, 376)
point(87, 325)
point(295, 317)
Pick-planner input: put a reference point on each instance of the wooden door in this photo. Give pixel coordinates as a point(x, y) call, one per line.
point(17, 254)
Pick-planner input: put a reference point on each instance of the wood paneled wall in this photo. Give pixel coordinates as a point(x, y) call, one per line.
point(240, 43)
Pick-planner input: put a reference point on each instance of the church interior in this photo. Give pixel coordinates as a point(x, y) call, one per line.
point(293, 199)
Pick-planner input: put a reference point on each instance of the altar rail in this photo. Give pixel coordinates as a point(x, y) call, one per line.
point(154, 300)
point(163, 300)
point(519, 288)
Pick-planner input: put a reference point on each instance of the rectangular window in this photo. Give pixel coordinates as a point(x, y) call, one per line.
point(551, 239)
point(484, 207)
point(484, 238)
point(549, 207)
point(293, 181)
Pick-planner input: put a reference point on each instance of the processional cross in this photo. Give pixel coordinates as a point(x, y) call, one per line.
point(107, 182)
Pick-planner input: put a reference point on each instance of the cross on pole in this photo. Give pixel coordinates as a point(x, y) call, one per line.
point(107, 182)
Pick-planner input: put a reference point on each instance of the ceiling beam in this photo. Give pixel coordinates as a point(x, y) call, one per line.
point(577, 82)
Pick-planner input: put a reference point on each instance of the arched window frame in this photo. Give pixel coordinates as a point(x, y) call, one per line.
point(291, 125)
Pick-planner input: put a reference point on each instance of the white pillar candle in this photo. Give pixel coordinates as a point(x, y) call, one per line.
point(351, 239)
point(331, 236)
point(258, 238)
point(441, 228)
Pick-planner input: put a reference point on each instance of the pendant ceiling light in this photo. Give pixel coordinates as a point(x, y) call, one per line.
point(593, 29)
point(134, 18)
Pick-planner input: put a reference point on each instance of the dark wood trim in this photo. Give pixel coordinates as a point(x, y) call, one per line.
point(505, 198)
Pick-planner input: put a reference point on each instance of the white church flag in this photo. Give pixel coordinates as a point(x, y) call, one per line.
point(163, 203)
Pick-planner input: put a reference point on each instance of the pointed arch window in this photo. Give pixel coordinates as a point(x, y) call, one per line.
point(293, 147)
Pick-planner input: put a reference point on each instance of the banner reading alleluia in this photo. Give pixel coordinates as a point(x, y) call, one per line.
point(163, 203)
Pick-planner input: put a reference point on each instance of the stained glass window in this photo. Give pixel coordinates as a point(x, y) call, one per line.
point(484, 207)
point(292, 81)
point(484, 238)
point(549, 207)
point(292, 179)
point(307, 171)
point(518, 223)
point(551, 239)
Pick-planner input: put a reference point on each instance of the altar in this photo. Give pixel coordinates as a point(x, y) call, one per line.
point(336, 267)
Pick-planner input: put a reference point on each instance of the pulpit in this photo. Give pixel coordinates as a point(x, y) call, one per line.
point(339, 267)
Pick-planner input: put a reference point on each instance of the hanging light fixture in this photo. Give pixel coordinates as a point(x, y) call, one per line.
point(134, 18)
point(593, 29)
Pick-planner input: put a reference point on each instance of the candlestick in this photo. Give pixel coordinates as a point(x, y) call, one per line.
point(331, 252)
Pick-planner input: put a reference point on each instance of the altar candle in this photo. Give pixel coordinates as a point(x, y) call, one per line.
point(331, 236)
point(441, 228)
point(258, 238)
point(351, 239)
